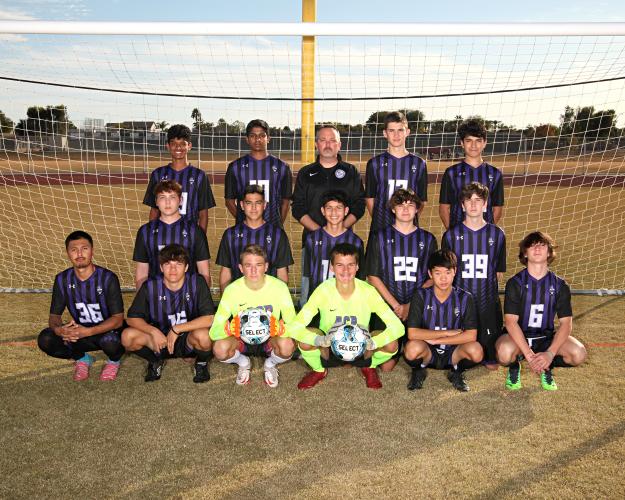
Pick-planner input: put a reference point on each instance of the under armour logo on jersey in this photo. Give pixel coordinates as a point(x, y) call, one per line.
point(491, 242)
point(99, 290)
point(162, 297)
point(191, 180)
point(552, 290)
point(72, 286)
point(238, 235)
point(274, 168)
point(490, 178)
point(246, 165)
point(392, 240)
point(457, 312)
point(385, 163)
point(188, 296)
point(440, 351)
point(318, 242)
point(421, 245)
point(268, 239)
point(428, 308)
point(413, 168)
point(184, 233)
point(460, 174)
point(459, 237)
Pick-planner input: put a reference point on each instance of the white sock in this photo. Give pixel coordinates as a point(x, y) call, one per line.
point(239, 359)
point(274, 360)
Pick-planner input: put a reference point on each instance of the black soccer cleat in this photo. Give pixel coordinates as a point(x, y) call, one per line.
point(155, 370)
point(201, 372)
point(417, 378)
point(456, 377)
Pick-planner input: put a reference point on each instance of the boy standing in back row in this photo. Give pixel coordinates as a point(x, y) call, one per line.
point(197, 196)
point(472, 168)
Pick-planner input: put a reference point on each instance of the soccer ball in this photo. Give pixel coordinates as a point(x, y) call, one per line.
point(349, 342)
point(255, 325)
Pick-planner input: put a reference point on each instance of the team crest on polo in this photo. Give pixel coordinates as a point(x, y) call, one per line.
point(339, 173)
point(491, 242)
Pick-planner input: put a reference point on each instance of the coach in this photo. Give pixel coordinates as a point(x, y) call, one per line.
point(328, 173)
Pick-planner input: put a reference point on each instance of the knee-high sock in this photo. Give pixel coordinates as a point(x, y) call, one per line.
point(559, 361)
point(274, 360)
point(313, 358)
point(381, 357)
point(238, 359)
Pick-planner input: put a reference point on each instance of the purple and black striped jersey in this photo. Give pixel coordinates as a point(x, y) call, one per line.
point(163, 308)
point(271, 173)
point(456, 313)
point(89, 302)
point(269, 236)
point(460, 174)
point(318, 245)
point(156, 234)
point(400, 260)
point(537, 302)
point(196, 190)
point(385, 173)
point(481, 255)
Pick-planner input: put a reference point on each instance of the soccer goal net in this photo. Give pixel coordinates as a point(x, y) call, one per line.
point(84, 119)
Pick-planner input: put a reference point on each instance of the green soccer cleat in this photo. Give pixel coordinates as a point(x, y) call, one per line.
point(547, 382)
point(513, 379)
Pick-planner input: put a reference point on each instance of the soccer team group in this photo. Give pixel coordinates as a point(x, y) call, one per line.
point(400, 297)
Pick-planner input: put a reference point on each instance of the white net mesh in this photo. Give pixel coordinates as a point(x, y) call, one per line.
point(553, 107)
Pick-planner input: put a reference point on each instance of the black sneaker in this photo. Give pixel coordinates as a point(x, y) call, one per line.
point(456, 377)
point(155, 370)
point(201, 372)
point(417, 377)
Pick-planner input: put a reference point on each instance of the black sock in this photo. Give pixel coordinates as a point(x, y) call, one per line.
point(465, 364)
point(559, 362)
point(203, 356)
point(414, 363)
point(147, 354)
point(514, 364)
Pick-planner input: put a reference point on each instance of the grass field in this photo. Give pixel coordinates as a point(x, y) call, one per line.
point(173, 438)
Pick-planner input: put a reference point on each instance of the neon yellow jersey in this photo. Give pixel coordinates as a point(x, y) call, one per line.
point(334, 309)
point(274, 297)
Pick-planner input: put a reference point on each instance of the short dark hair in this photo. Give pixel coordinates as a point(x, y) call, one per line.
point(78, 235)
point(472, 127)
point(401, 196)
point(256, 123)
point(179, 131)
point(537, 237)
point(338, 196)
point(443, 258)
point(472, 188)
point(395, 117)
point(253, 189)
point(173, 252)
point(166, 186)
point(344, 249)
point(253, 250)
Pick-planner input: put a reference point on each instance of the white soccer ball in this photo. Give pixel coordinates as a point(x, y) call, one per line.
point(255, 326)
point(349, 342)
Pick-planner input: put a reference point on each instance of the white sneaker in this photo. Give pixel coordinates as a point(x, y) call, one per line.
point(271, 377)
point(243, 374)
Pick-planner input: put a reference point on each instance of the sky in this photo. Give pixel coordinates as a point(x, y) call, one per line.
point(363, 67)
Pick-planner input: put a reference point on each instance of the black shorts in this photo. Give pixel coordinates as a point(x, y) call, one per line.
point(333, 361)
point(259, 350)
point(540, 343)
point(490, 328)
point(181, 349)
point(441, 360)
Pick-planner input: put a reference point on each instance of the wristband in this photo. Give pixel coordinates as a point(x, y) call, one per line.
point(175, 332)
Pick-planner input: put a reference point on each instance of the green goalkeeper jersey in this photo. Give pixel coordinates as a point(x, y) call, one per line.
point(274, 297)
point(335, 310)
